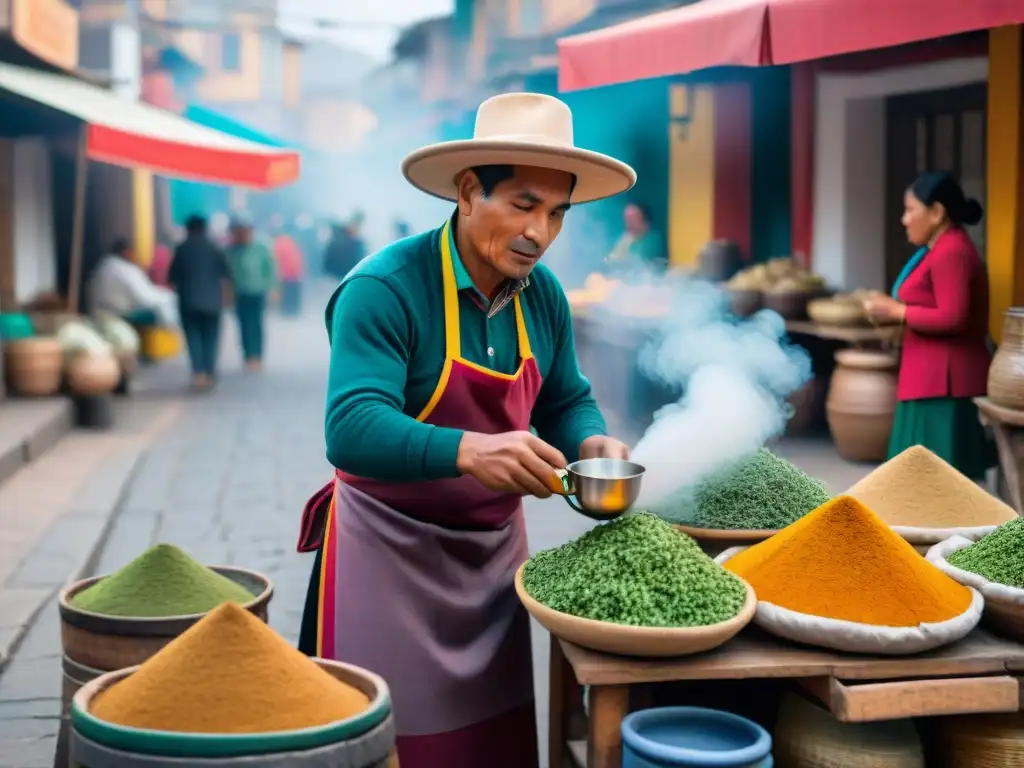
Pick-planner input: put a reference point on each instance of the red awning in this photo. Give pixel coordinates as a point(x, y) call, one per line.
point(128, 133)
point(713, 33)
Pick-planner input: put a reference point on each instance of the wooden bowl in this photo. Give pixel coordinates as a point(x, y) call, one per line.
point(831, 312)
point(714, 541)
point(792, 305)
point(1004, 618)
point(636, 641)
point(744, 303)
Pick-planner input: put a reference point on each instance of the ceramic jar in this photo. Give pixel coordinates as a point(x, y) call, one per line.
point(1006, 374)
point(719, 260)
point(92, 374)
point(33, 366)
point(861, 403)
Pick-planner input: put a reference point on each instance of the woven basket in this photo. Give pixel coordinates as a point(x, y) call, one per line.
point(984, 741)
point(807, 736)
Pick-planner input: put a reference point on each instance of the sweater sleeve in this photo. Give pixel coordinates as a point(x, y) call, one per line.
point(367, 432)
point(566, 413)
point(951, 272)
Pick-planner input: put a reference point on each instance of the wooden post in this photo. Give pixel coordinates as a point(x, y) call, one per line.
point(78, 221)
point(1004, 217)
point(608, 705)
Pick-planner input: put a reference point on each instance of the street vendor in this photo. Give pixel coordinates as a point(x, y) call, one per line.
point(446, 348)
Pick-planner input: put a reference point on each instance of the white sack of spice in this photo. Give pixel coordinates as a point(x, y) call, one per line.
point(939, 557)
point(735, 375)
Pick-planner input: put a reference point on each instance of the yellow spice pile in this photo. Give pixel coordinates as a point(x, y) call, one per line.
point(917, 489)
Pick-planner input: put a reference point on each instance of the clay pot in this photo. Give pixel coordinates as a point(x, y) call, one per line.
point(91, 374)
point(1006, 374)
point(33, 366)
point(792, 305)
point(719, 260)
point(745, 303)
point(861, 403)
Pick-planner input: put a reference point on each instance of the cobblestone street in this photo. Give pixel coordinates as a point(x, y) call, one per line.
point(226, 481)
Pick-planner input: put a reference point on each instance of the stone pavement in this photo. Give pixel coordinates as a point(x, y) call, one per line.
point(227, 481)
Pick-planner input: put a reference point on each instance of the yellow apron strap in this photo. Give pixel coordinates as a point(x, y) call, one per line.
point(525, 353)
point(452, 339)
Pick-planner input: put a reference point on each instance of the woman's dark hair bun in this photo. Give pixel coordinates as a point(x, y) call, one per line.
point(971, 213)
point(941, 187)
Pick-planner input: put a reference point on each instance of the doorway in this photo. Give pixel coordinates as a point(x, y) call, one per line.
point(941, 130)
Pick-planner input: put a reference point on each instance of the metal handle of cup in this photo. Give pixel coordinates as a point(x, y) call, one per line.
point(566, 488)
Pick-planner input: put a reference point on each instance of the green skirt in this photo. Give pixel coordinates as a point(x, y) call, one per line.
point(949, 428)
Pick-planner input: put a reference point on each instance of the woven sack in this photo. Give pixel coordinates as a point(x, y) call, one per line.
point(1004, 605)
point(936, 535)
point(984, 741)
point(807, 736)
point(854, 637)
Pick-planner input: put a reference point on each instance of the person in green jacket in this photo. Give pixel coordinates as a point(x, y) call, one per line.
point(641, 246)
point(446, 349)
point(254, 276)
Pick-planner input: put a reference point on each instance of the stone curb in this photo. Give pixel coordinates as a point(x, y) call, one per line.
point(74, 543)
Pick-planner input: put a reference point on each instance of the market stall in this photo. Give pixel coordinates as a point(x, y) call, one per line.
point(615, 320)
point(849, 613)
point(979, 674)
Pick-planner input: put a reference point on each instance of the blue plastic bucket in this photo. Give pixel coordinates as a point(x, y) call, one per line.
point(693, 737)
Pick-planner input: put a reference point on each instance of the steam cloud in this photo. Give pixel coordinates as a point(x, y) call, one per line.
point(735, 375)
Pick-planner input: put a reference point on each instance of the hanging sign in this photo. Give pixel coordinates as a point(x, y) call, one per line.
point(47, 29)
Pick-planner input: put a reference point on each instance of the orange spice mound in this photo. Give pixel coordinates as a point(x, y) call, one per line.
point(842, 561)
point(229, 673)
point(917, 489)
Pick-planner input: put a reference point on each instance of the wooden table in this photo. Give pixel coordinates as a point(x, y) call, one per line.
point(978, 674)
point(856, 335)
point(1008, 428)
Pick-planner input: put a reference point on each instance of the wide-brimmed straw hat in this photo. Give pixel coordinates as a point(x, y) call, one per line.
point(519, 129)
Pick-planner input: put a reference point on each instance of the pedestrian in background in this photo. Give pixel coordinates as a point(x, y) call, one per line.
point(290, 271)
point(198, 272)
point(254, 275)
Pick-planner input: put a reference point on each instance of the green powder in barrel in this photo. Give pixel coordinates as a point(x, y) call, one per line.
point(999, 557)
point(761, 493)
point(162, 581)
point(636, 570)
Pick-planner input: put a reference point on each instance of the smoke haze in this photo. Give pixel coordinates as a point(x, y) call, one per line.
point(735, 375)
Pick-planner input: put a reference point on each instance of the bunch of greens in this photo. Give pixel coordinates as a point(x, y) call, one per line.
point(999, 557)
point(636, 570)
point(761, 493)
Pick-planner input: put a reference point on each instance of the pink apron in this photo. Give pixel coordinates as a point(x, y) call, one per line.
point(416, 580)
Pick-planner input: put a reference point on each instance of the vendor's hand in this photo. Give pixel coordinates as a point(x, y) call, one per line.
point(602, 447)
point(883, 307)
point(512, 462)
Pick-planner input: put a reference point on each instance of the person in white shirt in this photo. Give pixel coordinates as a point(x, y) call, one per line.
point(121, 287)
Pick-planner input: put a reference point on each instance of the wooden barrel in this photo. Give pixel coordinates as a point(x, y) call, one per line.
point(107, 643)
point(364, 741)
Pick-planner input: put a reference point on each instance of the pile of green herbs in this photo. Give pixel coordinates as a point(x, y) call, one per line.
point(762, 492)
point(999, 556)
point(635, 570)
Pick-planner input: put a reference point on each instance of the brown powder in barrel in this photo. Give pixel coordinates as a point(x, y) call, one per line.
point(229, 673)
point(917, 489)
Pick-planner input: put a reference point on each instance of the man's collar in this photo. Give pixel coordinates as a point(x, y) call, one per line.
point(463, 282)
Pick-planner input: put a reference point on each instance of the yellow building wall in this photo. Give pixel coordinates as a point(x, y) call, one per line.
point(292, 66)
point(1004, 231)
point(144, 220)
point(336, 125)
point(241, 85)
point(561, 13)
point(691, 172)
